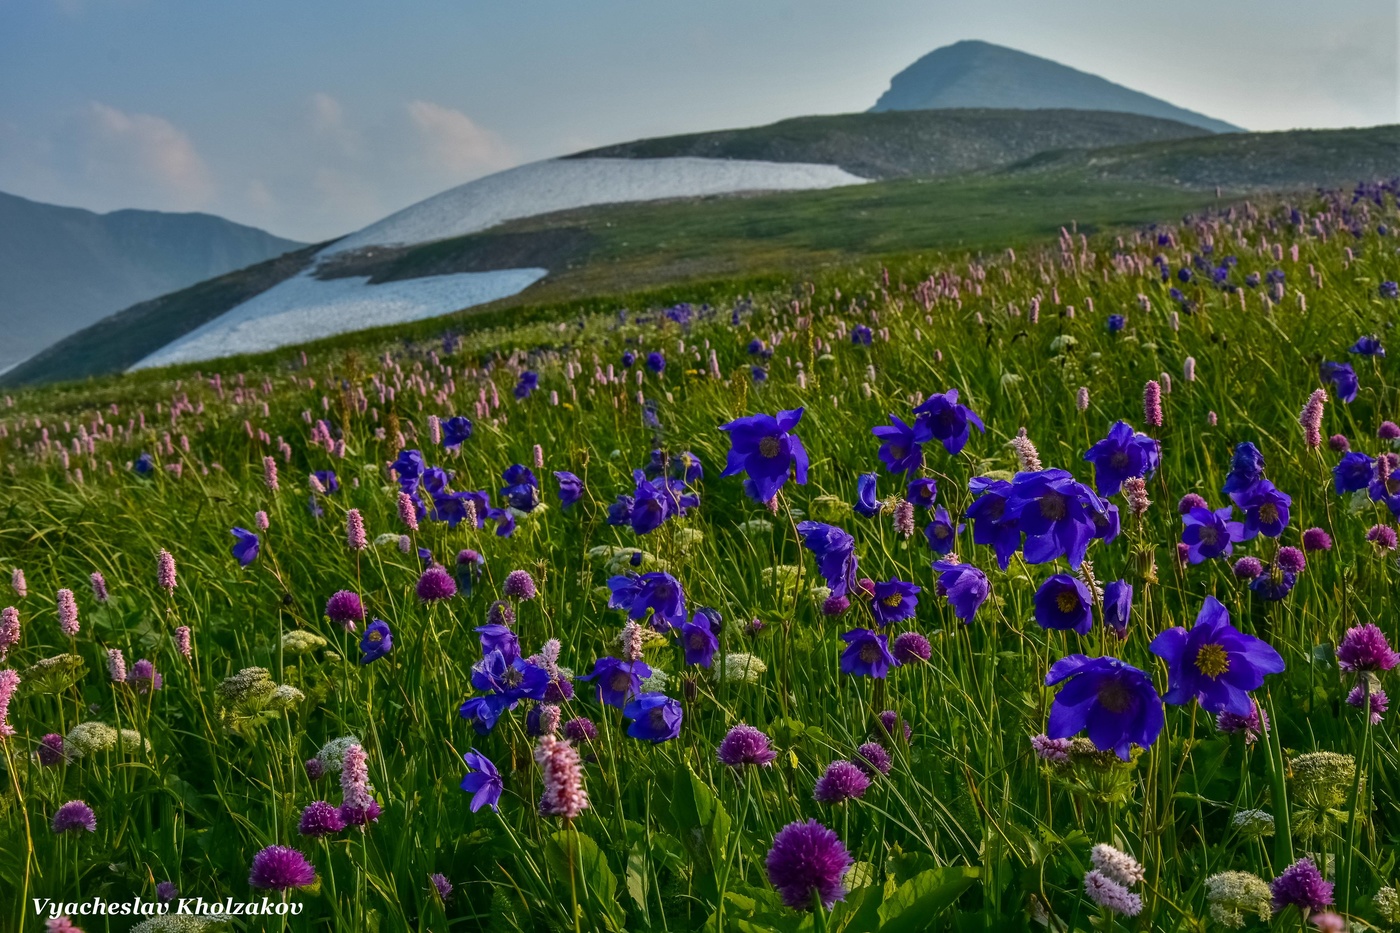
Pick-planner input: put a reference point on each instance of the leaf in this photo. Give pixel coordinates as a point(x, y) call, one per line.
point(704, 828)
point(917, 901)
point(569, 849)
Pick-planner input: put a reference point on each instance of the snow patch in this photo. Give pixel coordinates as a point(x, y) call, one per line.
point(306, 308)
point(563, 184)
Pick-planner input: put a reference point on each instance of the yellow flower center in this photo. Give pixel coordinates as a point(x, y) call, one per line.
point(376, 637)
point(769, 446)
point(1212, 661)
point(893, 600)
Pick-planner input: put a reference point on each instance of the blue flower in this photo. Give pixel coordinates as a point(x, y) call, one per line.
point(616, 680)
point(620, 512)
point(1343, 380)
point(964, 586)
point(1116, 323)
point(328, 480)
point(246, 547)
point(499, 638)
point(866, 654)
point(1118, 607)
point(455, 430)
point(990, 524)
point(1369, 345)
point(570, 487)
point(409, 466)
point(629, 359)
point(144, 464)
point(656, 362)
point(764, 447)
point(1062, 603)
point(861, 335)
point(376, 642)
point(940, 532)
point(1246, 468)
point(658, 593)
point(947, 421)
point(655, 717)
point(1215, 662)
point(1113, 700)
point(1274, 584)
point(521, 490)
point(1058, 515)
point(1354, 472)
point(866, 503)
point(900, 445)
point(512, 679)
point(1122, 454)
point(484, 712)
point(528, 383)
point(1210, 534)
point(685, 467)
point(1265, 510)
point(923, 492)
point(482, 781)
point(894, 601)
point(698, 641)
point(836, 554)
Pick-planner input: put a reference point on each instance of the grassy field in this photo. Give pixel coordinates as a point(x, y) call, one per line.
point(988, 816)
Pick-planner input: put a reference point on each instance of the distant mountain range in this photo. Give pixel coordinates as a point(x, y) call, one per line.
point(63, 268)
point(979, 74)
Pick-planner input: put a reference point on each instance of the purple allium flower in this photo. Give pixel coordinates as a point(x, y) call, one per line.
point(764, 447)
point(499, 613)
point(1064, 603)
point(99, 586)
point(1265, 509)
point(901, 445)
point(655, 717)
point(320, 819)
point(889, 724)
point(564, 794)
point(946, 420)
point(1364, 648)
point(520, 585)
point(1247, 568)
point(1107, 893)
point(866, 654)
point(144, 678)
point(1152, 404)
point(835, 553)
point(50, 750)
point(482, 781)
point(344, 607)
point(1122, 454)
point(1382, 536)
point(964, 586)
point(440, 886)
point(1214, 662)
point(894, 601)
point(74, 815)
point(841, 781)
point(315, 768)
point(835, 605)
point(1253, 725)
point(245, 546)
point(1113, 700)
point(910, 647)
point(378, 641)
point(67, 613)
point(435, 584)
point(658, 593)
point(1338, 443)
point(1290, 560)
point(1209, 533)
point(167, 891)
point(1190, 501)
point(1343, 380)
point(1388, 431)
point(1375, 698)
point(808, 863)
point(9, 630)
point(1048, 749)
point(1301, 885)
point(280, 867)
point(182, 640)
point(871, 758)
point(1316, 539)
point(745, 745)
point(866, 504)
point(580, 729)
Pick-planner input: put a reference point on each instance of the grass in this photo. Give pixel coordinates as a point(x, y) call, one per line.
point(970, 830)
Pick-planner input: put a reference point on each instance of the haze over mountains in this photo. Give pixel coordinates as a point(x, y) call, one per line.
point(63, 268)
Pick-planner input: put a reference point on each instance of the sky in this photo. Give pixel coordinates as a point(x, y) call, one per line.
point(311, 119)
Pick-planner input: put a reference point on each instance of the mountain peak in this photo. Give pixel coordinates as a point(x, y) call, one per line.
point(973, 73)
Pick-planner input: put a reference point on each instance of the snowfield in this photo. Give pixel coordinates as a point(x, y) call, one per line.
point(562, 184)
point(307, 308)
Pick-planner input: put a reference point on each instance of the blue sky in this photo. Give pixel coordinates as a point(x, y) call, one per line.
point(312, 119)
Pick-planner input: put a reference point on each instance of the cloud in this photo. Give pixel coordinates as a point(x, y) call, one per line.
point(144, 152)
point(455, 145)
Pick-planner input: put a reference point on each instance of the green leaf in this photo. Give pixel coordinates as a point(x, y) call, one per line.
point(704, 827)
point(571, 853)
point(917, 901)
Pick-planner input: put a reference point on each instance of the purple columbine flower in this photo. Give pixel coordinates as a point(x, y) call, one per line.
point(1214, 662)
point(895, 601)
point(947, 421)
point(1246, 469)
point(1113, 700)
point(1265, 510)
point(455, 431)
point(940, 532)
point(1058, 515)
point(570, 488)
point(617, 680)
point(245, 548)
point(698, 641)
point(991, 525)
point(835, 551)
point(745, 745)
point(73, 816)
point(1064, 603)
point(658, 593)
point(1342, 378)
point(964, 586)
point(807, 864)
point(482, 781)
point(1353, 472)
point(866, 504)
point(1210, 534)
point(1301, 885)
point(910, 647)
point(144, 678)
point(901, 445)
point(378, 641)
point(521, 489)
point(344, 607)
point(867, 654)
point(1118, 607)
point(655, 717)
point(841, 781)
point(279, 867)
point(1122, 454)
point(764, 447)
point(435, 584)
point(320, 819)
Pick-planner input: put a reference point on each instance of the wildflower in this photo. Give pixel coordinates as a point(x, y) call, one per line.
point(482, 781)
point(245, 546)
point(1373, 698)
point(745, 745)
point(1246, 469)
point(1123, 454)
point(270, 473)
point(74, 815)
point(344, 607)
point(1190, 501)
point(50, 751)
point(1152, 404)
point(904, 519)
point(580, 729)
point(435, 584)
point(698, 641)
point(808, 862)
point(440, 886)
point(1081, 399)
point(1210, 534)
point(872, 759)
point(378, 640)
point(946, 420)
point(455, 431)
point(1109, 894)
point(764, 447)
point(9, 682)
point(940, 532)
point(840, 782)
point(1113, 700)
point(320, 819)
point(866, 503)
point(1058, 515)
point(1302, 885)
point(67, 613)
point(1118, 607)
point(910, 647)
point(1254, 823)
point(570, 488)
point(1215, 663)
point(1233, 895)
point(1353, 472)
point(116, 665)
point(1062, 603)
point(357, 807)
point(1290, 560)
point(1369, 345)
point(564, 794)
point(866, 654)
point(99, 586)
point(280, 867)
point(835, 553)
point(890, 720)
point(1382, 536)
point(1265, 510)
point(1248, 568)
point(1343, 380)
point(1253, 724)
point(655, 717)
point(9, 630)
point(182, 640)
point(166, 891)
point(658, 593)
point(1316, 539)
point(1365, 649)
point(1116, 865)
point(901, 447)
point(521, 489)
point(894, 601)
point(963, 585)
point(1048, 749)
point(1387, 904)
point(520, 585)
point(355, 530)
point(165, 571)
